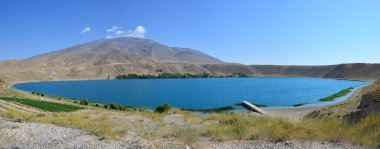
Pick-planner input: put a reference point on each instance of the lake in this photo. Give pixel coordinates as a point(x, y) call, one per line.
point(198, 93)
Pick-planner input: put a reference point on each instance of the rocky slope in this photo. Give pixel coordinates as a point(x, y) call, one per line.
point(369, 103)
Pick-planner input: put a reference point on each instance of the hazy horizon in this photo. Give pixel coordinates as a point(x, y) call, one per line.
point(247, 32)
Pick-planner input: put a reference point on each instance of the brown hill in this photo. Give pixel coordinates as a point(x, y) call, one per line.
point(357, 70)
point(105, 57)
point(111, 57)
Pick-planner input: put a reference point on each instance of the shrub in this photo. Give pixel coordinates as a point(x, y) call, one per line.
point(96, 105)
point(42, 94)
point(113, 106)
point(33, 92)
point(162, 108)
point(85, 102)
point(167, 106)
point(105, 106)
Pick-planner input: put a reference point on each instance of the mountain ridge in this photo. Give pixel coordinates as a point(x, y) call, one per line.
point(112, 57)
point(138, 47)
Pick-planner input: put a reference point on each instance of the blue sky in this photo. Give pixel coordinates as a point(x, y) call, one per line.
point(292, 32)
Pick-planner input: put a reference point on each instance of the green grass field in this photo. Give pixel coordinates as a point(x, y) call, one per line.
point(337, 95)
point(43, 105)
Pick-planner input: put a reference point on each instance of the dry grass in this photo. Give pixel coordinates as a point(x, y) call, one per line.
point(17, 115)
point(186, 134)
point(97, 124)
point(218, 127)
point(146, 132)
point(227, 126)
point(235, 126)
point(188, 116)
point(148, 114)
point(90, 121)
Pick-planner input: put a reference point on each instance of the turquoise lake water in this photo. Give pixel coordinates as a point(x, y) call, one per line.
point(197, 93)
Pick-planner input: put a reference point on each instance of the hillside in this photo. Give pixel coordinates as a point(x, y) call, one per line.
point(357, 70)
point(369, 103)
point(111, 57)
point(104, 57)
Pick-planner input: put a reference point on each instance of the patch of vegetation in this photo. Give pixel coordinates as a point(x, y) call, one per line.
point(112, 106)
point(177, 75)
point(84, 102)
point(38, 94)
point(337, 95)
point(162, 108)
point(299, 104)
point(211, 110)
point(258, 105)
point(43, 105)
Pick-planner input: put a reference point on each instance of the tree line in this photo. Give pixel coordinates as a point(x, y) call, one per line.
point(177, 75)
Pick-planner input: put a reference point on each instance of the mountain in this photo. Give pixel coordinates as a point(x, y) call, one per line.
point(104, 57)
point(111, 57)
point(126, 49)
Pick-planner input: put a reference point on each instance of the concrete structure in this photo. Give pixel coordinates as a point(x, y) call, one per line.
point(252, 107)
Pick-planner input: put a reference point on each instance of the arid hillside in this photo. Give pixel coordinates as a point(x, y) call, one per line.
point(107, 57)
point(111, 57)
point(370, 101)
